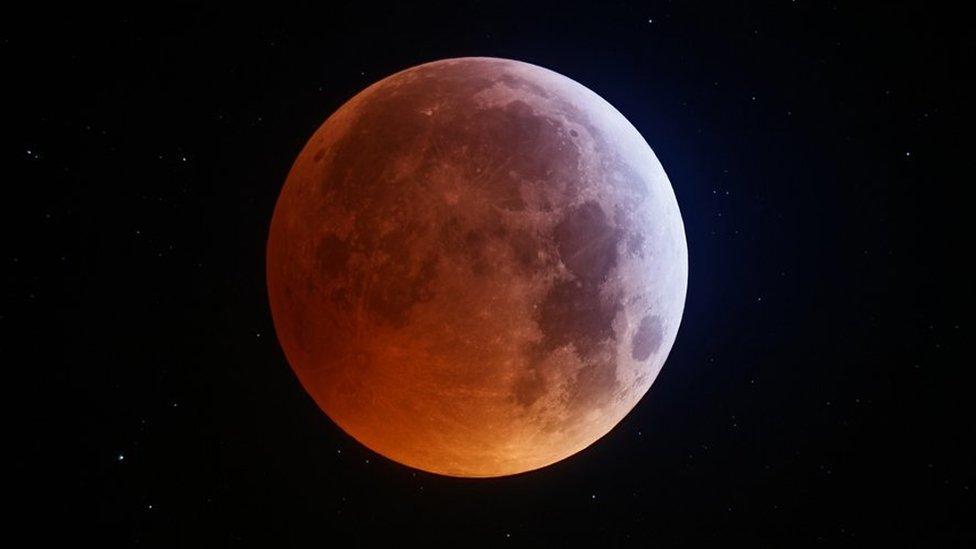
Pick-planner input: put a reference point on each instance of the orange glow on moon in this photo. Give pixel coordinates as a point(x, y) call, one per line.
point(477, 267)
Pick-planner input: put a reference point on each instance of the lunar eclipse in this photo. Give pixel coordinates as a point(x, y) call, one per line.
point(305, 275)
point(477, 267)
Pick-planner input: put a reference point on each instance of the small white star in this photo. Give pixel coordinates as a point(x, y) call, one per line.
point(120, 457)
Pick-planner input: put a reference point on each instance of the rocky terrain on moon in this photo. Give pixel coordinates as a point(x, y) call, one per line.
point(477, 267)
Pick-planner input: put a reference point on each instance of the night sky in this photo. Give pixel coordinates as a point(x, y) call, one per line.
point(818, 389)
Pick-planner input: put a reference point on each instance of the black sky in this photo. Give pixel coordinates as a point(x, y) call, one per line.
point(818, 390)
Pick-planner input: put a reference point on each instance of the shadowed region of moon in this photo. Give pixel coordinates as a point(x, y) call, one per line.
point(477, 267)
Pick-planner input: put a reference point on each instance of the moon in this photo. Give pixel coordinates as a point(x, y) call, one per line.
point(477, 267)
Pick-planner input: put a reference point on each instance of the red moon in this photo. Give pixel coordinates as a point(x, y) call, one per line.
point(477, 267)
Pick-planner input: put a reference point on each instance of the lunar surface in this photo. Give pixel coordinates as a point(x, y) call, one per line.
point(477, 267)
